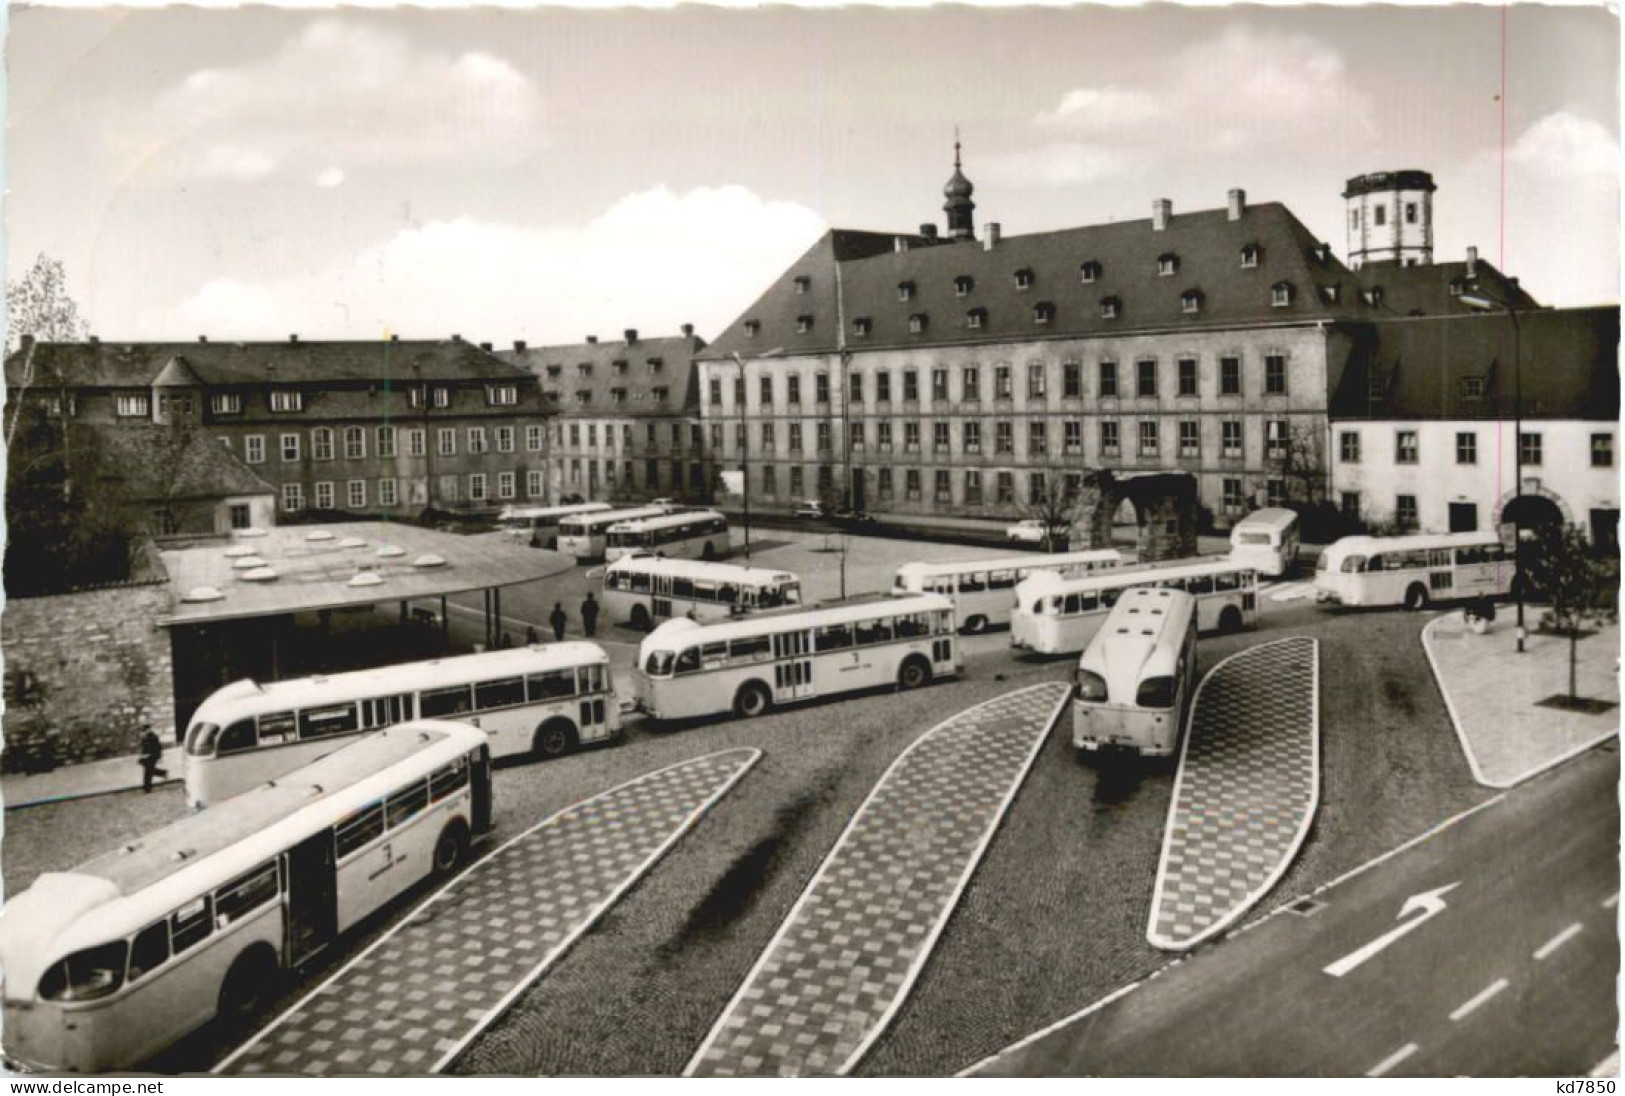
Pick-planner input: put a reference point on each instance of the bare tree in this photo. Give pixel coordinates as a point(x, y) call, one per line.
point(1300, 460)
point(1054, 503)
point(1561, 565)
point(38, 306)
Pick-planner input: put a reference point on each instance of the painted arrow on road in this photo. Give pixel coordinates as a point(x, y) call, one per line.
point(1431, 903)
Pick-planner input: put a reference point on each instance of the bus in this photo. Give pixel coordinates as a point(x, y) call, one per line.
point(107, 964)
point(539, 700)
point(687, 669)
point(584, 536)
point(1414, 570)
point(1137, 677)
point(1055, 615)
point(646, 590)
point(1267, 541)
point(687, 534)
point(981, 588)
point(539, 525)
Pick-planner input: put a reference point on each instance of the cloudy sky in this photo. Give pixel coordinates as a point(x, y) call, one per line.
point(549, 174)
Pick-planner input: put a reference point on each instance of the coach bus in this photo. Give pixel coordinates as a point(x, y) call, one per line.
point(540, 700)
point(585, 536)
point(981, 588)
point(539, 525)
point(1136, 678)
point(1414, 570)
point(107, 964)
point(1267, 541)
point(1055, 615)
point(686, 534)
point(687, 669)
point(646, 590)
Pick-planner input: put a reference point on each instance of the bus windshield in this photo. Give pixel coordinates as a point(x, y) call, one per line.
point(1246, 537)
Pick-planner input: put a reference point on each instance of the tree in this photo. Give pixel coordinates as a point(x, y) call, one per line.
point(38, 306)
point(1561, 565)
point(1053, 502)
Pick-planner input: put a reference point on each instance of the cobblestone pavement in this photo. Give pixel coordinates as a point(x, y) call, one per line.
point(414, 999)
point(1248, 786)
point(851, 948)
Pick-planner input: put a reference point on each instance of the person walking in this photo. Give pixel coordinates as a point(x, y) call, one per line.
point(531, 638)
point(589, 615)
point(558, 620)
point(152, 752)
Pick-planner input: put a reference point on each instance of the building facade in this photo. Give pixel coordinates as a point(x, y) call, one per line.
point(626, 424)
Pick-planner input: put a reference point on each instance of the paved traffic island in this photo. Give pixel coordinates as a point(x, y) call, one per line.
point(417, 996)
point(846, 957)
point(1246, 793)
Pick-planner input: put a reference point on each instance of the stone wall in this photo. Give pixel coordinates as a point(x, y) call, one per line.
point(83, 672)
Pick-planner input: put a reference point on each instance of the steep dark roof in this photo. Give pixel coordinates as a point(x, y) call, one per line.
point(621, 365)
point(1206, 245)
point(97, 364)
point(153, 462)
point(1423, 365)
point(1427, 290)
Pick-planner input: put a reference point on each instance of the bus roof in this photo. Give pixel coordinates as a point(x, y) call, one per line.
point(700, 569)
point(607, 518)
point(1270, 517)
point(666, 520)
point(1048, 582)
point(247, 697)
point(1141, 637)
point(515, 513)
point(1370, 545)
point(1008, 563)
point(675, 634)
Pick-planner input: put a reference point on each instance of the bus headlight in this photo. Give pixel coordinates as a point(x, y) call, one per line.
point(1091, 686)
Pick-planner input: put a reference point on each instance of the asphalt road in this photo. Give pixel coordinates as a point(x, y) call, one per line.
point(1502, 964)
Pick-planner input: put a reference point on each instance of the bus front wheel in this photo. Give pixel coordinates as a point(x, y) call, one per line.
point(1230, 619)
point(914, 673)
point(450, 848)
point(1416, 596)
point(640, 618)
point(752, 700)
point(553, 739)
point(248, 984)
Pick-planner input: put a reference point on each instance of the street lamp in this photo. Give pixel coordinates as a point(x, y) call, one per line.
point(744, 448)
point(1481, 301)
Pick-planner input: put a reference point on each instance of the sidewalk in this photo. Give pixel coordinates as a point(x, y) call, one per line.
point(1492, 693)
point(115, 774)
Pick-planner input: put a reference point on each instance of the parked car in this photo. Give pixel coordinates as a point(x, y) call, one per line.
point(810, 508)
point(1026, 531)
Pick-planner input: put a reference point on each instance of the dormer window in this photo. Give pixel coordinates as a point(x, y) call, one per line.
point(1043, 312)
point(658, 393)
point(1376, 386)
point(1456, 286)
point(1190, 302)
point(1090, 272)
point(803, 324)
point(917, 322)
point(1250, 255)
point(905, 291)
point(963, 285)
point(1472, 388)
point(225, 403)
point(861, 326)
point(1167, 264)
point(1280, 294)
point(1373, 296)
point(502, 395)
point(584, 369)
point(803, 283)
point(656, 364)
point(976, 319)
point(753, 328)
point(287, 399)
point(620, 365)
point(552, 371)
point(1331, 294)
point(1024, 279)
point(617, 395)
point(583, 395)
point(1110, 307)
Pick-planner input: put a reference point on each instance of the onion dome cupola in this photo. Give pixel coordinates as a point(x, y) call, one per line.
point(960, 209)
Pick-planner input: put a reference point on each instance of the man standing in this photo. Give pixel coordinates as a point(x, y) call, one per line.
point(589, 615)
point(152, 752)
point(558, 620)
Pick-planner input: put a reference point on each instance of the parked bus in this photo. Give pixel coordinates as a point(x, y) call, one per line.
point(585, 536)
point(1267, 541)
point(1137, 676)
point(539, 525)
point(688, 669)
point(1414, 570)
point(981, 588)
point(109, 963)
point(539, 700)
point(646, 590)
point(687, 534)
point(1055, 615)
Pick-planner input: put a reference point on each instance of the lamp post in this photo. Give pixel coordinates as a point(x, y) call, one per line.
point(744, 447)
point(1476, 298)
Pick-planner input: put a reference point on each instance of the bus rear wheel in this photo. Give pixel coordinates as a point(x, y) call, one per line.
point(1230, 619)
point(450, 848)
point(976, 625)
point(248, 985)
point(640, 618)
point(1416, 596)
point(914, 673)
point(553, 739)
point(752, 700)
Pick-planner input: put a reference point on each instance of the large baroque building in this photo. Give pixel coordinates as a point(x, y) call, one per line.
point(973, 373)
point(391, 427)
point(626, 423)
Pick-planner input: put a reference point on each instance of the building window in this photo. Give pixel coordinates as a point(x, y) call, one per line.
point(1275, 439)
point(1405, 517)
point(254, 448)
point(388, 492)
point(1234, 501)
point(1043, 312)
point(860, 434)
point(355, 443)
point(501, 395)
point(1529, 448)
point(716, 437)
point(1037, 439)
point(447, 440)
point(1380, 216)
point(130, 405)
point(939, 386)
point(942, 491)
point(534, 484)
point(823, 436)
point(1071, 381)
point(1110, 442)
point(1003, 387)
point(1024, 279)
point(1145, 378)
point(575, 435)
point(226, 403)
point(883, 387)
point(911, 484)
point(970, 384)
point(1089, 272)
point(324, 495)
point(741, 438)
point(1472, 388)
point(1405, 447)
point(795, 437)
point(911, 386)
point(505, 485)
point(1148, 437)
point(767, 437)
point(1280, 294)
point(905, 291)
point(803, 324)
point(505, 439)
point(416, 443)
point(1035, 380)
point(1466, 447)
point(1348, 447)
point(1275, 492)
point(476, 487)
point(753, 328)
point(357, 492)
point(1110, 307)
point(802, 284)
point(1006, 488)
point(821, 387)
point(1190, 302)
point(1231, 440)
point(854, 388)
point(1108, 380)
point(973, 488)
point(1190, 438)
point(883, 482)
point(293, 497)
point(1274, 375)
point(386, 441)
point(1037, 488)
point(963, 285)
point(793, 395)
point(1072, 437)
point(765, 385)
point(1411, 213)
point(1187, 376)
point(442, 397)
point(883, 436)
point(1349, 504)
point(1249, 256)
point(973, 437)
point(861, 326)
point(290, 448)
point(1602, 450)
point(713, 391)
point(917, 322)
point(1230, 376)
point(1004, 437)
point(939, 438)
point(770, 480)
point(287, 399)
point(1167, 264)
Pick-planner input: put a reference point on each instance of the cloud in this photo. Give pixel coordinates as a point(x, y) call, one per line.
point(653, 260)
point(1058, 165)
point(330, 177)
point(342, 92)
point(230, 161)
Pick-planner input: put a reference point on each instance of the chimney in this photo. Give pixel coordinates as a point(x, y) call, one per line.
point(688, 330)
point(519, 346)
point(929, 231)
point(1162, 210)
point(631, 334)
point(203, 338)
point(990, 235)
point(27, 341)
point(1238, 203)
point(293, 338)
point(486, 347)
point(592, 340)
point(1512, 284)
point(1472, 262)
point(900, 243)
point(456, 338)
point(394, 337)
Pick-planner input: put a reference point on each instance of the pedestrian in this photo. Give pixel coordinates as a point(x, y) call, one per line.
point(505, 642)
point(152, 752)
point(558, 620)
point(531, 638)
point(589, 615)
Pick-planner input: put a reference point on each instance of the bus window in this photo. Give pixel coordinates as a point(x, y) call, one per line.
point(714, 654)
point(1156, 692)
point(1199, 584)
point(658, 665)
point(447, 779)
point(873, 631)
point(1073, 605)
point(499, 694)
point(200, 739)
point(590, 679)
point(85, 975)
point(972, 583)
point(1224, 581)
point(1088, 601)
point(910, 625)
point(1355, 564)
point(832, 637)
point(1001, 580)
point(682, 587)
point(278, 727)
point(438, 703)
point(359, 830)
point(385, 710)
point(237, 899)
point(706, 591)
point(237, 737)
point(191, 924)
point(754, 647)
point(406, 803)
point(318, 722)
point(1439, 557)
point(640, 582)
point(689, 661)
point(149, 950)
point(558, 684)
point(727, 593)
point(1108, 598)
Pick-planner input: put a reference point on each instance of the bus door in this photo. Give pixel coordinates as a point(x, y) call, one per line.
point(592, 710)
point(1441, 572)
point(660, 601)
point(792, 670)
point(313, 915)
point(479, 777)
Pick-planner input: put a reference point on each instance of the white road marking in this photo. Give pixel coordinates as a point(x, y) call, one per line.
point(1430, 903)
point(1388, 1063)
point(1291, 591)
point(1467, 1007)
point(1611, 901)
point(1558, 941)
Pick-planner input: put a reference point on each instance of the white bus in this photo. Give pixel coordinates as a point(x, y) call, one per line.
point(1055, 615)
point(1267, 541)
point(981, 588)
point(646, 590)
point(687, 534)
point(539, 525)
point(109, 963)
point(1414, 570)
point(687, 669)
point(1138, 675)
point(540, 700)
point(584, 536)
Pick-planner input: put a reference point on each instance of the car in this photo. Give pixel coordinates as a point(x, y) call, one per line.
point(810, 508)
point(1026, 531)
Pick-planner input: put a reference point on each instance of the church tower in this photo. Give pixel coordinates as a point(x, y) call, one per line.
point(1390, 218)
point(960, 209)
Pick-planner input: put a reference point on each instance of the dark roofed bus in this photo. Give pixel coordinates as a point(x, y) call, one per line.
point(539, 525)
